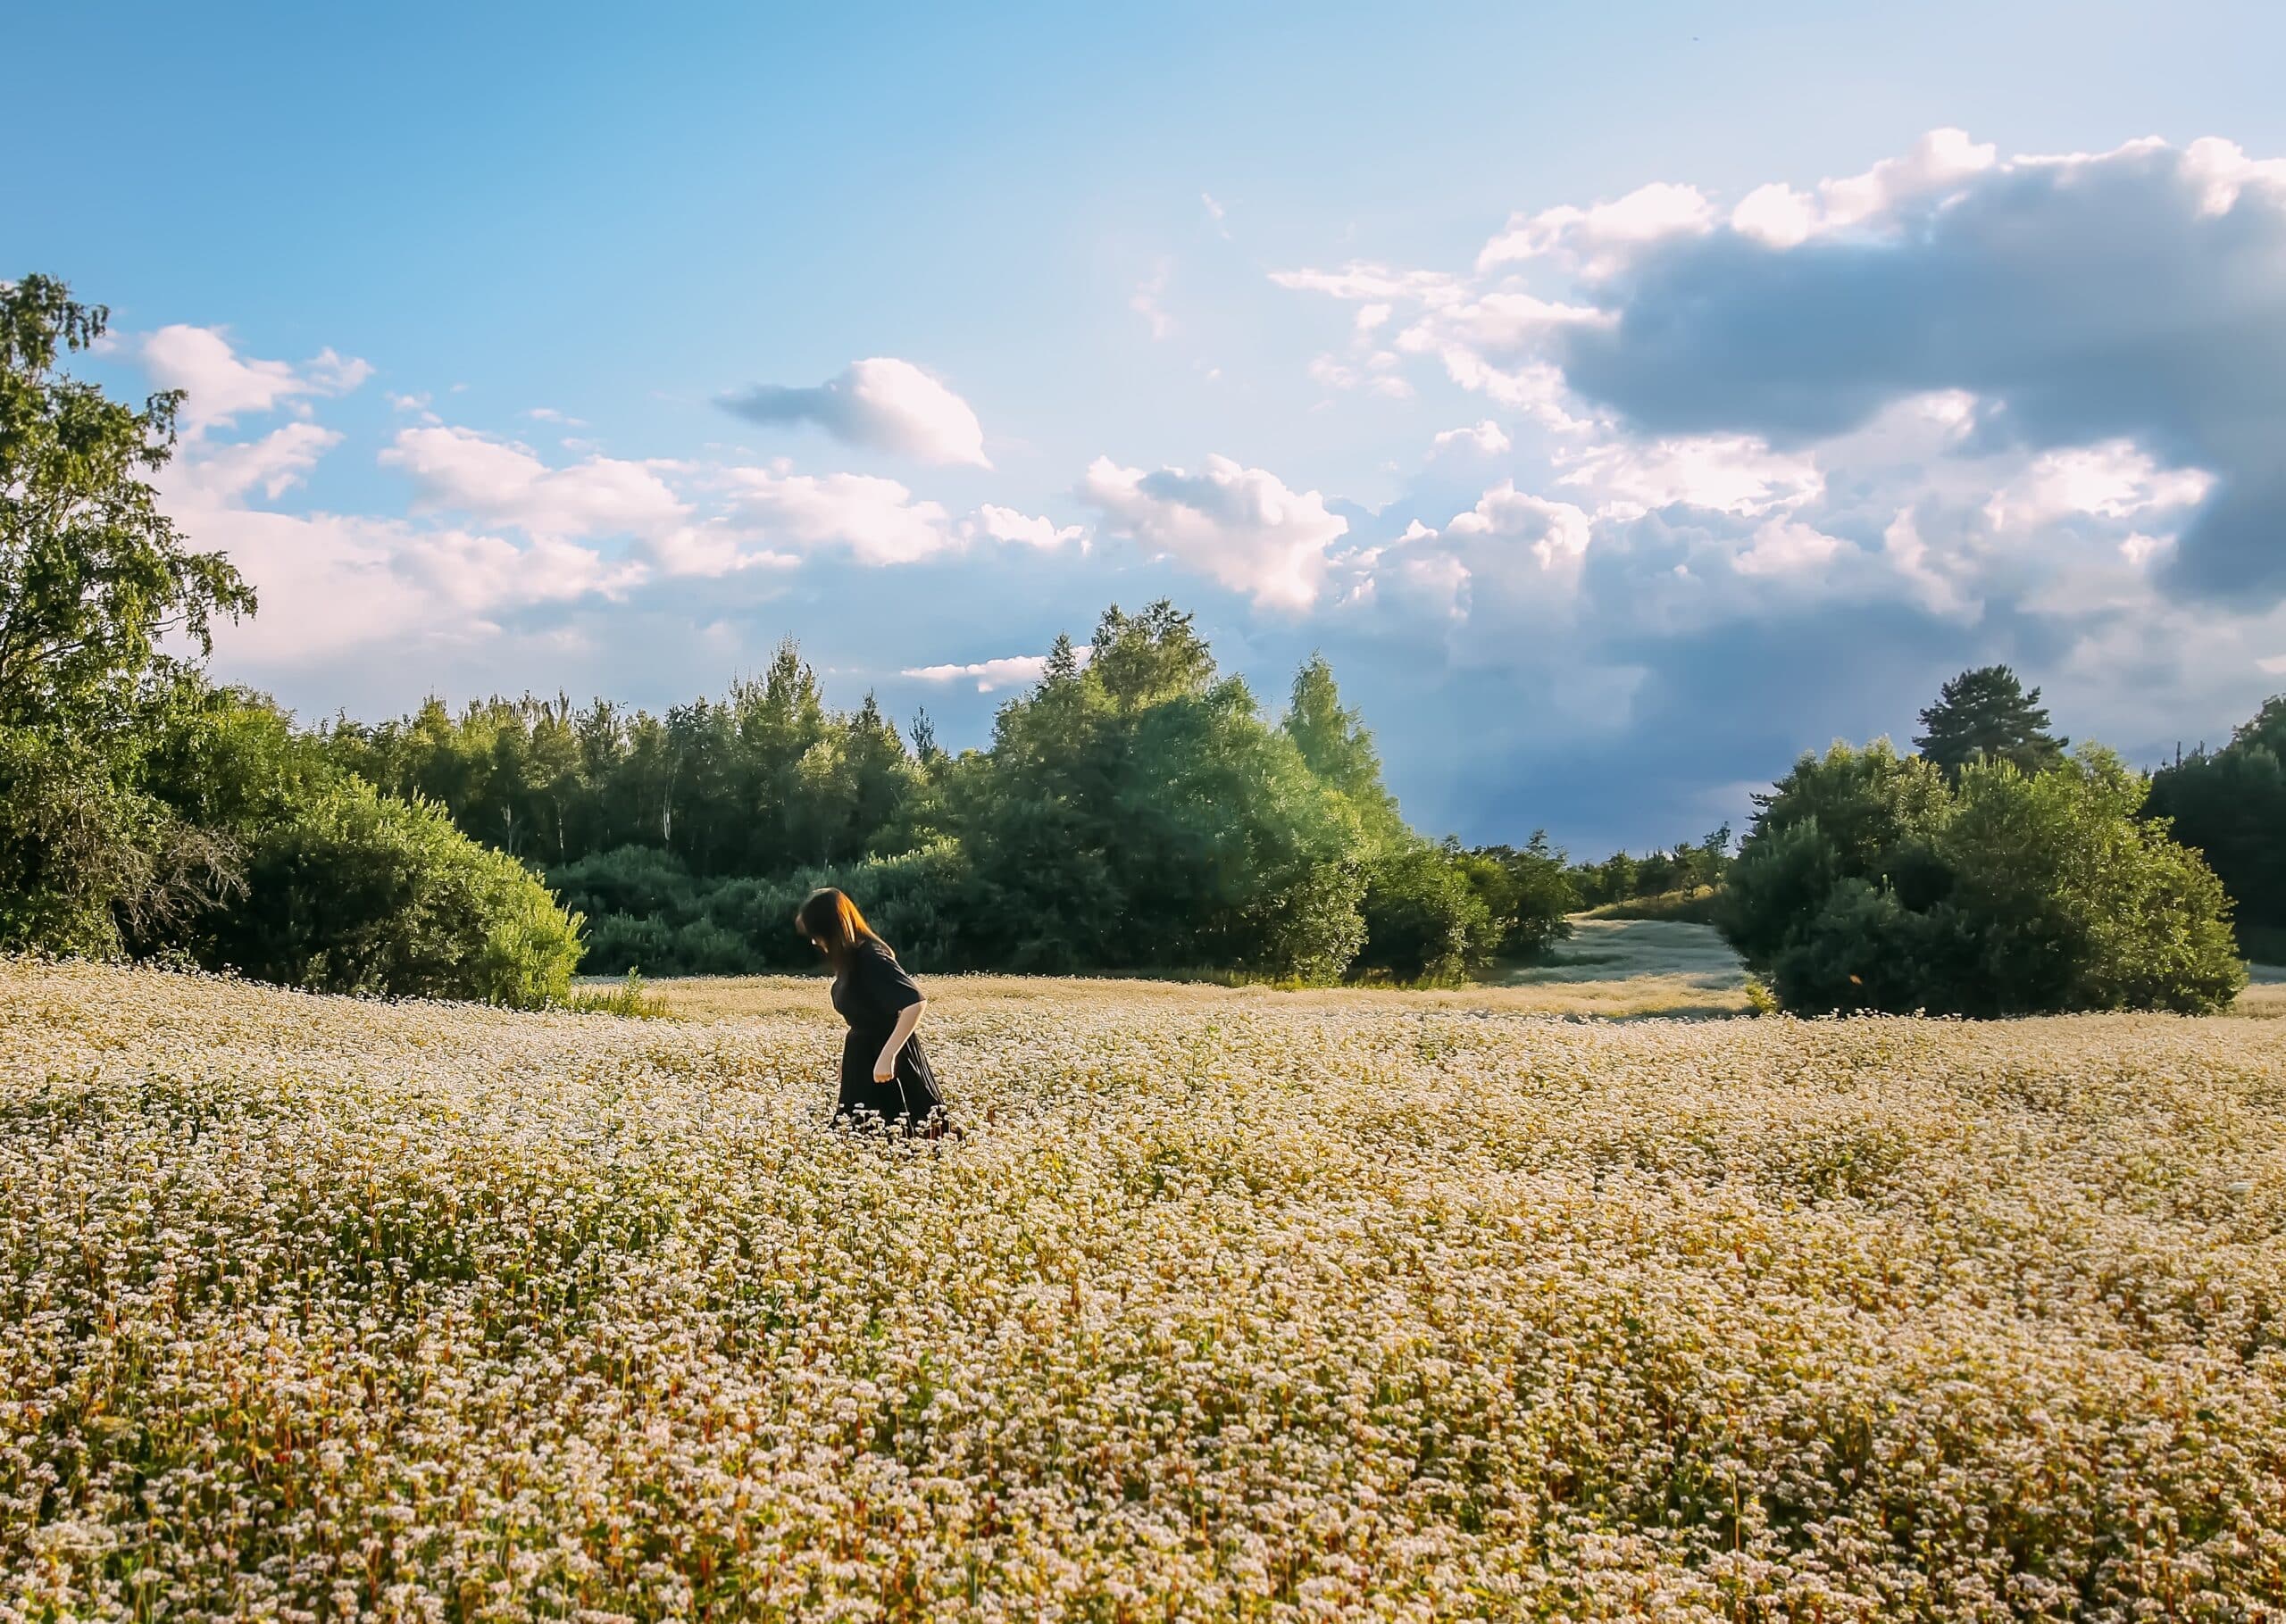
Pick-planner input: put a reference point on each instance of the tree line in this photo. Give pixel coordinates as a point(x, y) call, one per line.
point(1136, 811)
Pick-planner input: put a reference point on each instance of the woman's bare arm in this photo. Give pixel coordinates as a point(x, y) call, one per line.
point(907, 1018)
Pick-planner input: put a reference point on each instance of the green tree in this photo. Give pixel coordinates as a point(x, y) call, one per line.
point(1985, 716)
point(1339, 748)
point(1143, 660)
point(93, 576)
point(1530, 892)
point(93, 579)
point(2230, 804)
point(1424, 920)
point(1871, 883)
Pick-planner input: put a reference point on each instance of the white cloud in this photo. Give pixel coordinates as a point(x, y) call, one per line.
point(480, 573)
point(332, 583)
point(1598, 239)
point(1377, 374)
point(1361, 280)
point(460, 469)
point(713, 550)
point(1010, 671)
point(882, 403)
point(1786, 546)
point(1240, 527)
point(2113, 479)
point(1929, 578)
point(1146, 302)
point(2222, 170)
point(1557, 532)
point(1779, 215)
point(1006, 524)
point(274, 463)
point(1487, 439)
point(877, 520)
point(220, 384)
point(1734, 473)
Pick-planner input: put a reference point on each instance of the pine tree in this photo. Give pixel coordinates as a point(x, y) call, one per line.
point(1986, 715)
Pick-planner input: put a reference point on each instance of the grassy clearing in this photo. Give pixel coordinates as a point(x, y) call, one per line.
point(1230, 1304)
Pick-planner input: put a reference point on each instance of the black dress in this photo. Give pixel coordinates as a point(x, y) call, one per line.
point(870, 994)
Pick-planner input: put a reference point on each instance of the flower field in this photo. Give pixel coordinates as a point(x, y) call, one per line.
point(1228, 1307)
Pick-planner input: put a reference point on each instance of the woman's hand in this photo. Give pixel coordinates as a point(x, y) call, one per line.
point(884, 1074)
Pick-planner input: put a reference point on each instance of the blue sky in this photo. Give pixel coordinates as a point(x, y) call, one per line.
point(1624, 398)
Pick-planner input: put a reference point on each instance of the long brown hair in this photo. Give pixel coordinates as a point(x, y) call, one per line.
point(827, 915)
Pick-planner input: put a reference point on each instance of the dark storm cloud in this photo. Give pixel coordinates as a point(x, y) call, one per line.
point(2141, 295)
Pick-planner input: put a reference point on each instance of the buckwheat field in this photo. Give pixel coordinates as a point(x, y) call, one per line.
point(1228, 1306)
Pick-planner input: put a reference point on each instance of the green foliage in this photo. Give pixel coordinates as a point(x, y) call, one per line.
point(93, 579)
point(1985, 716)
point(1687, 868)
point(1528, 891)
point(1871, 883)
point(653, 914)
point(90, 864)
point(1338, 748)
point(357, 892)
point(1424, 921)
point(93, 576)
point(628, 999)
point(2230, 804)
point(1140, 814)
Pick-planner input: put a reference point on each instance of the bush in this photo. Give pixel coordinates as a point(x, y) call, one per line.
point(91, 865)
point(1871, 884)
point(1423, 921)
point(643, 880)
point(618, 943)
point(75, 847)
point(355, 892)
point(1528, 890)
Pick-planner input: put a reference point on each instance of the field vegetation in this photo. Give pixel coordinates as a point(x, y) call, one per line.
point(1231, 1304)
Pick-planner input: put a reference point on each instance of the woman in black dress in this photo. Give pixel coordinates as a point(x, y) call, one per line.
point(885, 1072)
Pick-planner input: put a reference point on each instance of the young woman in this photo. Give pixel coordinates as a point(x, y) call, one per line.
point(884, 1069)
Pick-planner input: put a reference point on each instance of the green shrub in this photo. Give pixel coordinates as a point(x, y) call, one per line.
point(618, 943)
point(75, 847)
point(90, 865)
point(1424, 919)
point(1869, 883)
point(643, 880)
point(355, 892)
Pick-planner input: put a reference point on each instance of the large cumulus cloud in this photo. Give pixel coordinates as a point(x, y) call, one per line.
point(2139, 295)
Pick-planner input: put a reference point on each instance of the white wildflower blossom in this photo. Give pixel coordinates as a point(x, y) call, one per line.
point(1318, 1308)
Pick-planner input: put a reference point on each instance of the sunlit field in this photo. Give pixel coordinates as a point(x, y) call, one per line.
point(1609, 967)
point(1230, 1304)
